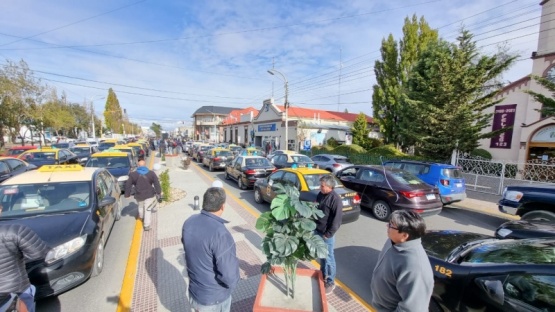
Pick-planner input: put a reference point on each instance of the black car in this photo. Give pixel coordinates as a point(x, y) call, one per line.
point(71, 208)
point(247, 169)
point(10, 167)
point(83, 152)
point(529, 201)
point(286, 160)
point(525, 229)
point(49, 156)
point(384, 190)
point(476, 272)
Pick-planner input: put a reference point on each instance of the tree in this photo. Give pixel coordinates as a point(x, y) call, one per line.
point(113, 116)
point(548, 103)
point(157, 129)
point(447, 93)
point(392, 74)
point(360, 130)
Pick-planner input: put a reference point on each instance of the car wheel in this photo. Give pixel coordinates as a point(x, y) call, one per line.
point(227, 176)
point(240, 183)
point(381, 210)
point(119, 209)
point(539, 215)
point(258, 196)
point(211, 167)
point(98, 263)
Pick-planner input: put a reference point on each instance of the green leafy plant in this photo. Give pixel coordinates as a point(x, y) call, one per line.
point(163, 157)
point(290, 234)
point(165, 185)
point(332, 142)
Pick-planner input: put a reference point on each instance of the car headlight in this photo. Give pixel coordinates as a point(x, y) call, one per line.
point(513, 195)
point(65, 249)
point(123, 178)
point(504, 232)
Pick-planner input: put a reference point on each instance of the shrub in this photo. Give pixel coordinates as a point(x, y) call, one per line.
point(386, 150)
point(323, 148)
point(373, 143)
point(165, 185)
point(480, 152)
point(332, 142)
point(347, 149)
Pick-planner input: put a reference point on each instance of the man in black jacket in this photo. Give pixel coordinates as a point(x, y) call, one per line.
point(18, 243)
point(330, 204)
point(147, 188)
point(210, 254)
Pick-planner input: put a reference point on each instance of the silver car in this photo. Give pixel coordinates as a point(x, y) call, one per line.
point(332, 163)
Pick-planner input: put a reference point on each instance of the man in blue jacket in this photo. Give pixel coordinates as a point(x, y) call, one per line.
point(210, 254)
point(147, 191)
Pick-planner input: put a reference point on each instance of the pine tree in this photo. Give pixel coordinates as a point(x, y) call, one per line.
point(359, 130)
point(113, 115)
point(548, 103)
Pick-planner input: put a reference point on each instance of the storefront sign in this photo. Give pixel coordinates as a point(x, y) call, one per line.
point(503, 116)
point(267, 127)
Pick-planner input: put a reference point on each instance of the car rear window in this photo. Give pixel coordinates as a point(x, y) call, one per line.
point(313, 181)
point(80, 150)
point(406, 178)
point(301, 158)
point(108, 162)
point(452, 173)
point(223, 153)
point(257, 162)
point(513, 251)
point(342, 160)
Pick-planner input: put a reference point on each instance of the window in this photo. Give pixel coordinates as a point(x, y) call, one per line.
point(101, 189)
point(525, 290)
point(4, 168)
point(451, 173)
point(349, 172)
point(318, 158)
point(15, 164)
point(276, 177)
point(291, 179)
point(519, 251)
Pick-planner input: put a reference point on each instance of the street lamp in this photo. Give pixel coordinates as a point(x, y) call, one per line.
point(273, 72)
point(99, 97)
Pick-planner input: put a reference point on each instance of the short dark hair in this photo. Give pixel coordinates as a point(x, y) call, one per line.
point(213, 199)
point(410, 222)
point(328, 180)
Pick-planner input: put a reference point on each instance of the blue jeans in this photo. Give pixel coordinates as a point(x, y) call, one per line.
point(28, 296)
point(327, 265)
point(224, 306)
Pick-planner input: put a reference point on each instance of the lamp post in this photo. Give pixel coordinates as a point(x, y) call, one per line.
point(99, 97)
point(273, 72)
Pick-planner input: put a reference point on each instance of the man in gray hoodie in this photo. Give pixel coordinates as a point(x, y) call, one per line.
point(147, 189)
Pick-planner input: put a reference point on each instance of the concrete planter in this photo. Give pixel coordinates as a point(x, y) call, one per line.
point(309, 292)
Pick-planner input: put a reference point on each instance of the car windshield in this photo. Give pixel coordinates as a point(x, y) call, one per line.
point(301, 159)
point(406, 178)
point(108, 162)
point(313, 181)
point(235, 148)
point(222, 153)
point(257, 162)
point(40, 156)
point(107, 144)
point(342, 160)
point(14, 152)
point(20, 201)
point(204, 148)
point(452, 173)
point(527, 251)
point(80, 150)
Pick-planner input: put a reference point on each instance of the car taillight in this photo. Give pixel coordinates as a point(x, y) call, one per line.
point(250, 171)
point(356, 199)
point(444, 182)
point(275, 169)
point(216, 158)
point(412, 194)
point(336, 165)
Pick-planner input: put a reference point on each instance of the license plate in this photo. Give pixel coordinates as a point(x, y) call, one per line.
point(345, 202)
point(458, 184)
point(222, 165)
point(430, 196)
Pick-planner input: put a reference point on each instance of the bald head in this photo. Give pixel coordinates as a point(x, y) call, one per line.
point(141, 163)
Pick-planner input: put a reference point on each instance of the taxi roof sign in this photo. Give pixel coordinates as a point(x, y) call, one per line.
point(53, 168)
point(108, 153)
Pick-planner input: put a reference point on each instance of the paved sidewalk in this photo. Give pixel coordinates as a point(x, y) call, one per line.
point(161, 279)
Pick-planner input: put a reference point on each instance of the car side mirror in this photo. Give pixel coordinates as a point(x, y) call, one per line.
point(493, 289)
point(108, 200)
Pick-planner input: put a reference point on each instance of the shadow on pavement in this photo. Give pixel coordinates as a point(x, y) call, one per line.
point(173, 291)
point(53, 304)
point(360, 262)
point(468, 217)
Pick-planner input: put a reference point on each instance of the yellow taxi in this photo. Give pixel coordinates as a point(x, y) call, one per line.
point(73, 209)
point(83, 151)
point(49, 156)
point(216, 158)
point(107, 143)
point(138, 148)
point(118, 163)
point(252, 151)
point(307, 181)
point(127, 149)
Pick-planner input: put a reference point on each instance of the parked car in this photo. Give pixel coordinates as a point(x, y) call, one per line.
point(476, 272)
point(15, 151)
point(199, 152)
point(286, 160)
point(66, 145)
point(331, 163)
point(119, 164)
point(247, 169)
point(83, 152)
point(73, 209)
point(10, 167)
point(307, 181)
point(251, 151)
point(384, 190)
point(447, 178)
point(529, 201)
point(49, 156)
point(526, 229)
point(216, 158)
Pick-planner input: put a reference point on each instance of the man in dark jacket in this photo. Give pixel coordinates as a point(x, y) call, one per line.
point(210, 255)
point(147, 189)
point(18, 243)
point(330, 204)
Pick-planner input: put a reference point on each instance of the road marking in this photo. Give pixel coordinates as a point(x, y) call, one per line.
point(128, 284)
point(314, 262)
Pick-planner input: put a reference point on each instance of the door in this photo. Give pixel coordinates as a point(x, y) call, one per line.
point(370, 185)
point(4, 171)
point(273, 179)
point(348, 178)
point(237, 171)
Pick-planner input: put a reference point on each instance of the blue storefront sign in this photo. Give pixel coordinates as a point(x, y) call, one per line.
point(267, 127)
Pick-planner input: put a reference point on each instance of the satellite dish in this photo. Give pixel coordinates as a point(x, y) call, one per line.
point(157, 166)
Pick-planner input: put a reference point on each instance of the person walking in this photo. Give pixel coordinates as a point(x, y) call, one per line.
point(330, 204)
point(147, 191)
point(210, 255)
point(19, 244)
point(403, 279)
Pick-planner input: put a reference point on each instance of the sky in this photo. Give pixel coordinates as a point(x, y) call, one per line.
point(165, 59)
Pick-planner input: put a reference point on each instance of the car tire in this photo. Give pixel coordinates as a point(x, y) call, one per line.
point(258, 196)
point(98, 263)
point(227, 176)
point(211, 167)
point(119, 209)
point(240, 183)
point(539, 215)
point(381, 210)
